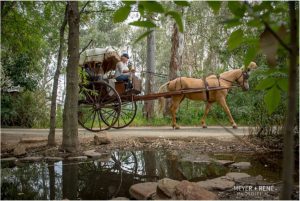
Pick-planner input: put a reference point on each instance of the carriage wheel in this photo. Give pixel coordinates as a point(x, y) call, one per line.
point(100, 109)
point(128, 112)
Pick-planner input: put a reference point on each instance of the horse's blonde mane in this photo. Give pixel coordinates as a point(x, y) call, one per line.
point(230, 71)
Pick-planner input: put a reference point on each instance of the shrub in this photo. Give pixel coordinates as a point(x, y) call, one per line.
point(27, 109)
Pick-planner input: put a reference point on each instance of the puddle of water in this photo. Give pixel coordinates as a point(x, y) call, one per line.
point(113, 178)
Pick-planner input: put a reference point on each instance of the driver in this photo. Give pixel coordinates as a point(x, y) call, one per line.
point(123, 73)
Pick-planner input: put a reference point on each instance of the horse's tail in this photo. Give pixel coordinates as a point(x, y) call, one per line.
point(162, 100)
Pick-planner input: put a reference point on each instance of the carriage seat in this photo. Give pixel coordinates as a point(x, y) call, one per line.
point(120, 87)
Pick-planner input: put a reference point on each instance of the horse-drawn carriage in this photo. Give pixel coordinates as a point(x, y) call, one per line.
point(105, 103)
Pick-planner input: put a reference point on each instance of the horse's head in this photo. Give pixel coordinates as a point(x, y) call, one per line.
point(244, 76)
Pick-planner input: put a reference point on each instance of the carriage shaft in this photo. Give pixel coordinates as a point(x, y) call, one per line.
point(174, 93)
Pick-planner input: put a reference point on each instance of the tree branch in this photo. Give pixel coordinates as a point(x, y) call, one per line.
point(269, 28)
point(85, 47)
point(82, 9)
point(98, 11)
point(276, 36)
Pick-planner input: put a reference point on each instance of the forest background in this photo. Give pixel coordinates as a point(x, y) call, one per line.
point(216, 38)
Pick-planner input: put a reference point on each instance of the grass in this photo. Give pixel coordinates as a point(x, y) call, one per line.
point(190, 118)
point(189, 114)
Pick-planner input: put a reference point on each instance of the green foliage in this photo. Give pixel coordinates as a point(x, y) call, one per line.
point(259, 17)
point(182, 3)
point(272, 99)
point(275, 84)
point(121, 14)
point(142, 36)
point(215, 6)
point(148, 10)
point(177, 17)
point(237, 8)
point(235, 39)
point(250, 54)
point(266, 83)
point(283, 84)
point(146, 24)
point(25, 109)
point(21, 71)
point(152, 6)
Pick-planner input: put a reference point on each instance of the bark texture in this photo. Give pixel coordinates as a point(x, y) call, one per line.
point(176, 53)
point(51, 136)
point(51, 180)
point(176, 59)
point(70, 126)
point(289, 143)
point(70, 180)
point(149, 105)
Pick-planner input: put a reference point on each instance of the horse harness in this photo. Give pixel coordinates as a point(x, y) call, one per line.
point(244, 74)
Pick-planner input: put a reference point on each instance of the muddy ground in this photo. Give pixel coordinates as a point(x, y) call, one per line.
point(106, 142)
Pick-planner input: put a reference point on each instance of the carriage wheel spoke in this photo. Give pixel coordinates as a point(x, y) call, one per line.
point(128, 115)
point(127, 109)
point(87, 116)
point(123, 119)
point(103, 102)
point(109, 107)
point(100, 93)
point(99, 118)
point(93, 119)
point(89, 96)
point(109, 113)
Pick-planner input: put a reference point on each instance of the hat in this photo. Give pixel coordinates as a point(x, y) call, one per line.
point(125, 55)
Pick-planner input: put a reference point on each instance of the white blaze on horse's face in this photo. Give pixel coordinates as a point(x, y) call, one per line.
point(246, 86)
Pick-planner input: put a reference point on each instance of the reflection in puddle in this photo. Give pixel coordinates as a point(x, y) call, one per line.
point(104, 179)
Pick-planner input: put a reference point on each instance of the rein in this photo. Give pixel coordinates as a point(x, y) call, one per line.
point(245, 77)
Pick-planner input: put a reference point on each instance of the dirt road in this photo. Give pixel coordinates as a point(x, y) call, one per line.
point(213, 131)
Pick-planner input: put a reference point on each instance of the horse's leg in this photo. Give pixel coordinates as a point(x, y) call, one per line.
point(207, 108)
point(223, 103)
point(176, 100)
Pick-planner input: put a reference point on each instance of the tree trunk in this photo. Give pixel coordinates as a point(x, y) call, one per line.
point(51, 136)
point(176, 58)
point(70, 180)
point(150, 165)
point(51, 171)
point(176, 53)
point(149, 105)
point(70, 126)
point(288, 150)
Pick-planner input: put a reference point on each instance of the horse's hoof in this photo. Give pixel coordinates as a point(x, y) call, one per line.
point(175, 127)
point(234, 127)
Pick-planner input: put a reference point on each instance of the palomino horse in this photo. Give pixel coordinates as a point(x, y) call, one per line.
point(226, 80)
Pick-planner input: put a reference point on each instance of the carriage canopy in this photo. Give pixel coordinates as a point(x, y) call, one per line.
point(107, 58)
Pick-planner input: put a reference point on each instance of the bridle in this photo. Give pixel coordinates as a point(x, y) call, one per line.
point(245, 76)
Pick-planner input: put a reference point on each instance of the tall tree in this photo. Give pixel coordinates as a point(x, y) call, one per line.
point(149, 105)
point(288, 151)
point(70, 180)
point(176, 53)
point(51, 136)
point(70, 126)
point(51, 171)
point(176, 57)
point(150, 164)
